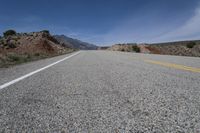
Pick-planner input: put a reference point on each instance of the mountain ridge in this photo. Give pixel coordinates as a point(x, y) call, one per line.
point(75, 43)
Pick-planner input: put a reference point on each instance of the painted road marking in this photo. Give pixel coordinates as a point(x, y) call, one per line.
point(36, 71)
point(176, 66)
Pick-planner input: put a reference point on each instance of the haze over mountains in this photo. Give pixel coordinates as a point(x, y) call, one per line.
point(75, 43)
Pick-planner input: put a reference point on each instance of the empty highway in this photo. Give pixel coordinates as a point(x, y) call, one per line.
point(102, 91)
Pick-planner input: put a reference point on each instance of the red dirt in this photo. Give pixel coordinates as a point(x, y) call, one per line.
point(153, 50)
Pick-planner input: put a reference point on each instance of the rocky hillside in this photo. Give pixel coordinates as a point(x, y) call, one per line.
point(22, 47)
point(74, 43)
point(182, 48)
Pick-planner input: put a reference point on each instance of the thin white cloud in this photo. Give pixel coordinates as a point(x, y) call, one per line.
point(127, 31)
point(189, 30)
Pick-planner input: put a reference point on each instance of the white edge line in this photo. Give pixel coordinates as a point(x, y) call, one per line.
point(34, 72)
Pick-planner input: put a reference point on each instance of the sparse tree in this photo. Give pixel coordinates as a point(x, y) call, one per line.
point(191, 44)
point(136, 48)
point(46, 31)
point(9, 33)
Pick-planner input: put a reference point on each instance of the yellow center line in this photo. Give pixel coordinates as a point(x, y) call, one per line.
point(176, 66)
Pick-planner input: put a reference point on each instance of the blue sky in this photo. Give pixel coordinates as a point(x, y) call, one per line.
point(105, 22)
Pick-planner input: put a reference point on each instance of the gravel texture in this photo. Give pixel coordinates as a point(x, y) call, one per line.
point(102, 91)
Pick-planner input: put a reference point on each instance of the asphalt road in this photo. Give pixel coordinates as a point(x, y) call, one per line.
point(103, 91)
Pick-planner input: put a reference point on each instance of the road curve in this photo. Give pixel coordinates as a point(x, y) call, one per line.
point(103, 91)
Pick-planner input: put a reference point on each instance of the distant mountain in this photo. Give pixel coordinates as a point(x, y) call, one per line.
point(74, 43)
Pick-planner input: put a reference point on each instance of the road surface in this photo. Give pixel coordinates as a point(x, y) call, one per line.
point(102, 91)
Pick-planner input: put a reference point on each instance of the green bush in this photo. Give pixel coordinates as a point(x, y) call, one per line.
point(37, 54)
point(191, 44)
point(14, 57)
point(11, 45)
point(9, 33)
point(136, 48)
point(46, 31)
point(28, 56)
point(1, 42)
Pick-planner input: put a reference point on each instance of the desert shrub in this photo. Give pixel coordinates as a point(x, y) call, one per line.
point(16, 38)
point(1, 41)
point(46, 31)
point(28, 56)
point(13, 57)
point(191, 44)
point(9, 33)
point(11, 45)
point(136, 48)
point(16, 58)
point(37, 54)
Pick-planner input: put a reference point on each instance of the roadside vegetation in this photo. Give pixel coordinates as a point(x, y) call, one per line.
point(9, 33)
point(191, 44)
point(11, 59)
point(136, 48)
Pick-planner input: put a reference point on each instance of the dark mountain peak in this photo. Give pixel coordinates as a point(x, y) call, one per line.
point(75, 43)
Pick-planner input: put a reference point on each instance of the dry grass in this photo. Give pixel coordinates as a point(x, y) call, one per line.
point(11, 58)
